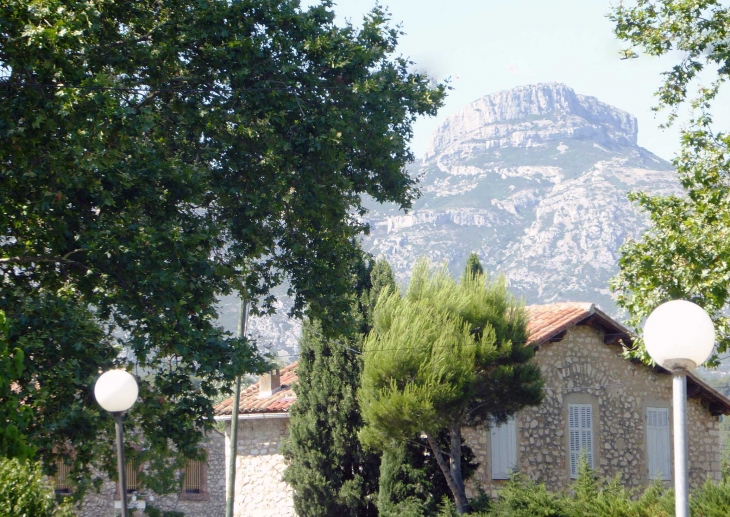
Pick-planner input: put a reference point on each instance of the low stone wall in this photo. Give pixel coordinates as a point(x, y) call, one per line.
point(582, 369)
point(260, 489)
point(209, 503)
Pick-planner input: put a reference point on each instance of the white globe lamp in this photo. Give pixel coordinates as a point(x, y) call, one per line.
point(679, 336)
point(116, 391)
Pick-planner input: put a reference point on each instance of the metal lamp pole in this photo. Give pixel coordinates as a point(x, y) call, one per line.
point(679, 336)
point(118, 415)
point(116, 391)
point(681, 482)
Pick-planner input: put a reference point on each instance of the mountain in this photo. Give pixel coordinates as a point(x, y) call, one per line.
point(534, 180)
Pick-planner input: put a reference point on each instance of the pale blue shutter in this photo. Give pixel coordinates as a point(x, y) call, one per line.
point(657, 443)
point(580, 433)
point(504, 449)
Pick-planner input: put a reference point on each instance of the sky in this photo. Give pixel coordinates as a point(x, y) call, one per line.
point(486, 46)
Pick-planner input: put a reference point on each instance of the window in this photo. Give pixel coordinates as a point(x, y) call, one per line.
point(504, 449)
point(131, 471)
point(657, 443)
point(580, 418)
point(62, 480)
point(192, 483)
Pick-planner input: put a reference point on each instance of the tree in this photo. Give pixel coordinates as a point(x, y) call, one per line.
point(473, 266)
point(24, 490)
point(328, 469)
point(411, 482)
point(445, 355)
point(15, 415)
point(684, 254)
point(157, 154)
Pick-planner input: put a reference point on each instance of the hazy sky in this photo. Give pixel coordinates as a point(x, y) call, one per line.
point(490, 45)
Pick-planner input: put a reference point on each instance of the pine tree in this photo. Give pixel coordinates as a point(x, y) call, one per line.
point(329, 471)
point(442, 356)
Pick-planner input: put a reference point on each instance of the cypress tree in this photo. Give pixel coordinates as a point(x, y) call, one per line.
point(329, 471)
point(473, 266)
point(411, 482)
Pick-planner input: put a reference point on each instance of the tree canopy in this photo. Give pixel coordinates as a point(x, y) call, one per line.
point(157, 154)
point(444, 355)
point(684, 254)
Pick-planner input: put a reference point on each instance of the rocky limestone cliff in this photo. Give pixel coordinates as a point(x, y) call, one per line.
point(534, 179)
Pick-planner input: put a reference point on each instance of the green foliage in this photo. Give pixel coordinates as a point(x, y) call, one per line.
point(156, 154)
point(684, 254)
point(695, 29)
point(25, 492)
point(14, 415)
point(588, 496)
point(446, 354)
point(411, 482)
point(329, 471)
point(473, 266)
point(596, 497)
point(156, 512)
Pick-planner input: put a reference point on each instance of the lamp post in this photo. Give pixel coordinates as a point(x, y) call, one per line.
point(679, 336)
point(116, 391)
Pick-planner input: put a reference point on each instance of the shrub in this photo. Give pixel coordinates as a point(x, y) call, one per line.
point(25, 492)
point(156, 512)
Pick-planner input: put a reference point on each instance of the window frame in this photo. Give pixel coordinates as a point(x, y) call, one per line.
point(511, 422)
point(202, 495)
point(572, 398)
point(652, 405)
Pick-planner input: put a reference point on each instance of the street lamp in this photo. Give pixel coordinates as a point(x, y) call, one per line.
point(116, 391)
point(679, 336)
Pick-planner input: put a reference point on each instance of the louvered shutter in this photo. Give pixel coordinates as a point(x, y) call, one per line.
point(580, 429)
point(504, 449)
point(657, 443)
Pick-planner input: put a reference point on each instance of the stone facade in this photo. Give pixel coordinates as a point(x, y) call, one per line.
point(209, 503)
point(582, 369)
point(260, 489)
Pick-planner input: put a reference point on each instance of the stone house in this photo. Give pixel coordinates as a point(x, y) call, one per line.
point(202, 494)
point(263, 425)
point(617, 412)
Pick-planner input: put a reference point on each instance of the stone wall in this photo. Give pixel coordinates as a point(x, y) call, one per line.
point(209, 503)
point(260, 489)
point(582, 369)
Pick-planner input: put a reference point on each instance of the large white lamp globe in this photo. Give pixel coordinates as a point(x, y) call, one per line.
point(679, 335)
point(116, 391)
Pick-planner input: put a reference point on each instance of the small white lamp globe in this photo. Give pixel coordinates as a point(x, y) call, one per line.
point(116, 391)
point(679, 335)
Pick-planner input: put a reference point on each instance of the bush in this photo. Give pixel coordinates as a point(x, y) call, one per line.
point(156, 512)
point(25, 492)
point(589, 495)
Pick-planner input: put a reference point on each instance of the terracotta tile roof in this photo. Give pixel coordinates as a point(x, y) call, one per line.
point(547, 321)
point(251, 403)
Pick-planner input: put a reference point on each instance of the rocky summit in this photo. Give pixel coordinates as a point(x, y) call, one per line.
point(534, 180)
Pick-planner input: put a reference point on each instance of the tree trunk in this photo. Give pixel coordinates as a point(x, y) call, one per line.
point(462, 505)
point(456, 489)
